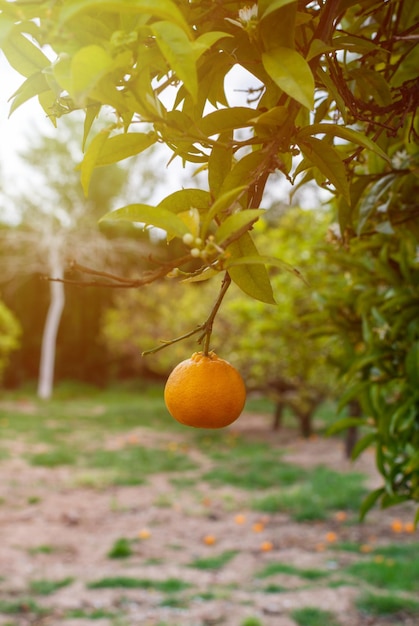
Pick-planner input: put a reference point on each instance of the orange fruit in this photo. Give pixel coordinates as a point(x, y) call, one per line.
point(205, 392)
point(209, 540)
point(397, 526)
point(258, 527)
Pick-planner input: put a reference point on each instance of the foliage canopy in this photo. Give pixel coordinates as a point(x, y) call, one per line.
point(324, 82)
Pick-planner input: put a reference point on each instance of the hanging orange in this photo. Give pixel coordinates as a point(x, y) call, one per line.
point(205, 392)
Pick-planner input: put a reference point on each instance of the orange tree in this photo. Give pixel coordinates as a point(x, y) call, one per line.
point(265, 343)
point(327, 83)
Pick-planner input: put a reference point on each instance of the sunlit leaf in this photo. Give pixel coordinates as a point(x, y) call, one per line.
point(88, 66)
point(33, 86)
point(219, 162)
point(266, 7)
point(191, 218)
point(149, 216)
point(291, 72)
point(178, 52)
point(184, 199)
point(252, 278)
point(205, 41)
point(236, 222)
point(164, 9)
point(91, 114)
point(123, 146)
point(24, 56)
point(226, 119)
point(273, 117)
point(334, 130)
point(90, 158)
point(223, 203)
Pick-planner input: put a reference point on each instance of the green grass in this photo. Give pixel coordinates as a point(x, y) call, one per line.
point(22, 606)
point(251, 466)
point(44, 587)
point(271, 569)
point(312, 616)
point(76, 409)
point(170, 585)
point(313, 498)
point(42, 549)
point(214, 562)
point(54, 458)
point(121, 549)
point(272, 588)
point(392, 574)
point(130, 465)
point(387, 605)
point(251, 621)
point(93, 614)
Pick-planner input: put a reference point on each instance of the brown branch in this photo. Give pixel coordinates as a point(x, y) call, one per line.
point(120, 281)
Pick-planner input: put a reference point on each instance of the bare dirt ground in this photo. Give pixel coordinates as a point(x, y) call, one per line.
point(54, 526)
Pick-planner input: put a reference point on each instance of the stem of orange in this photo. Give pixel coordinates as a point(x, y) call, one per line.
point(210, 321)
point(205, 329)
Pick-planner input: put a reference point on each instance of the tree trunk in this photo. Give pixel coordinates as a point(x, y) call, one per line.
point(305, 423)
point(279, 409)
point(52, 322)
point(352, 432)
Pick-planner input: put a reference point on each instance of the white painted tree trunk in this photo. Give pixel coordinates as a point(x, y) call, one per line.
point(52, 322)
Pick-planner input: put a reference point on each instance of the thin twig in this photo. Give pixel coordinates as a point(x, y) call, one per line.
point(205, 328)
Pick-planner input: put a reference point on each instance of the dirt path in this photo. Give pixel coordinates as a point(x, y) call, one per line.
point(54, 526)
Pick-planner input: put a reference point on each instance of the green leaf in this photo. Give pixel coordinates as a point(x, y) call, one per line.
point(369, 501)
point(7, 24)
point(412, 365)
point(91, 114)
point(219, 162)
point(23, 55)
point(150, 216)
point(185, 199)
point(363, 444)
point(163, 9)
point(323, 156)
point(276, 116)
point(90, 158)
point(245, 172)
point(226, 119)
point(343, 132)
point(252, 278)
point(343, 424)
point(291, 72)
point(123, 146)
point(260, 259)
point(266, 7)
point(178, 51)
point(88, 66)
point(33, 86)
point(205, 41)
point(223, 203)
point(237, 222)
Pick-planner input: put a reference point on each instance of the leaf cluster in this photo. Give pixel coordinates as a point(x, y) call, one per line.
point(324, 81)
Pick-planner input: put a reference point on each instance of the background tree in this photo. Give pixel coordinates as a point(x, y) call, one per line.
point(326, 83)
point(9, 336)
point(58, 225)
